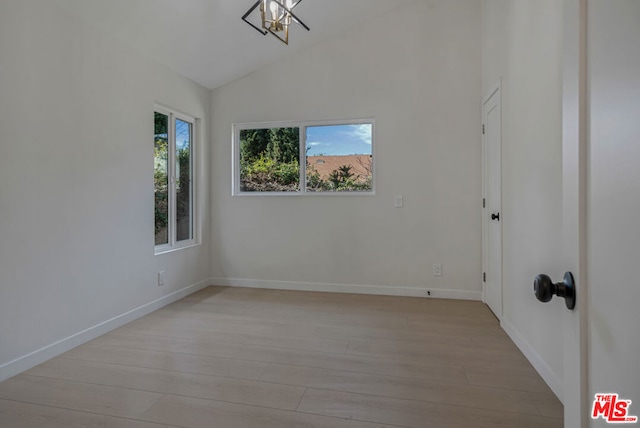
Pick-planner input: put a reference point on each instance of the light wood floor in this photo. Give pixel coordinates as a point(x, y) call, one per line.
point(233, 357)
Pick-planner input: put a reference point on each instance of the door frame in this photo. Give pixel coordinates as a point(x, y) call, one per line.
point(495, 89)
point(575, 140)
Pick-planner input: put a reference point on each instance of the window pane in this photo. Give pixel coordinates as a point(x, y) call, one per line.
point(161, 178)
point(269, 160)
point(184, 215)
point(339, 158)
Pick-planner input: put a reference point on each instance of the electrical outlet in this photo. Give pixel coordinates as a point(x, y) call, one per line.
point(161, 278)
point(437, 269)
point(398, 201)
point(429, 293)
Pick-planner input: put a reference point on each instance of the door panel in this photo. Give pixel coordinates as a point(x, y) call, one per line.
point(613, 209)
point(492, 190)
point(574, 166)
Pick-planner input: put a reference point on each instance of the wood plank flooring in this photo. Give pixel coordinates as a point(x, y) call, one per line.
point(243, 358)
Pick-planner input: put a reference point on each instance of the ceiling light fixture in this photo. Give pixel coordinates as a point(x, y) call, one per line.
point(275, 17)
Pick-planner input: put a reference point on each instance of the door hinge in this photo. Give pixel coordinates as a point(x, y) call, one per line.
point(483, 129)
point(484, 203)
point(484, 277)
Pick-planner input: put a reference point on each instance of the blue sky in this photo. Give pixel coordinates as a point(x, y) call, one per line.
point(339, 140)
point(183, 134)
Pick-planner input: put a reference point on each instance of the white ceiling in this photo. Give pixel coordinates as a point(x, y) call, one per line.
point(206, 40)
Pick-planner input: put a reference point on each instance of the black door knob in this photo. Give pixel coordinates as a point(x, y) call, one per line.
point(495, 216)
point(544, 289)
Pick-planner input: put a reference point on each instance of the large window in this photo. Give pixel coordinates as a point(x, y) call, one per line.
point(303, 157)
point(174, 136)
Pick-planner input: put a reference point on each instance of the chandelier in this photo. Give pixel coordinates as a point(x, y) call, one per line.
point(275, 17)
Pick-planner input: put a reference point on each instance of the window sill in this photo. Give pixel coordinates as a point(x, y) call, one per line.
point(166, 250)
point(305, 194)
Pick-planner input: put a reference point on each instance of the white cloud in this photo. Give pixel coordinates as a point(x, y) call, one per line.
point(315, 143)
point(362, 132)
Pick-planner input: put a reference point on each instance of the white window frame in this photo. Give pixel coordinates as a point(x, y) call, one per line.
point(173, 244)
point(302, 126)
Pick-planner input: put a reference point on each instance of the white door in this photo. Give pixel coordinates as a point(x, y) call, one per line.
point(601, 204)
point(574, 164)
point(491, 212)
point(613, 201)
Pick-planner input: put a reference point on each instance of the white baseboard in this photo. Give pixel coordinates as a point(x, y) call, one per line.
point(534, 358)
point(384, 290)
point(34, 358)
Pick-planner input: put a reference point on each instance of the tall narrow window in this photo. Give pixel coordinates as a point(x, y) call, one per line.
point(184, 226)
point(173, 180)
point(161, 177)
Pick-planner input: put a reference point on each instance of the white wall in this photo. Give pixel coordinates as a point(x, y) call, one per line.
point(76, 181)
point(614, 201)
point(522, 43)
point(420, 78)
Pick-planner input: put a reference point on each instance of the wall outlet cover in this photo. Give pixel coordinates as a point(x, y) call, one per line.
point(437, 269)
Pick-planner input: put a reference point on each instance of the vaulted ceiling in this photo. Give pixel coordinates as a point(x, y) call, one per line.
point(206, 40)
